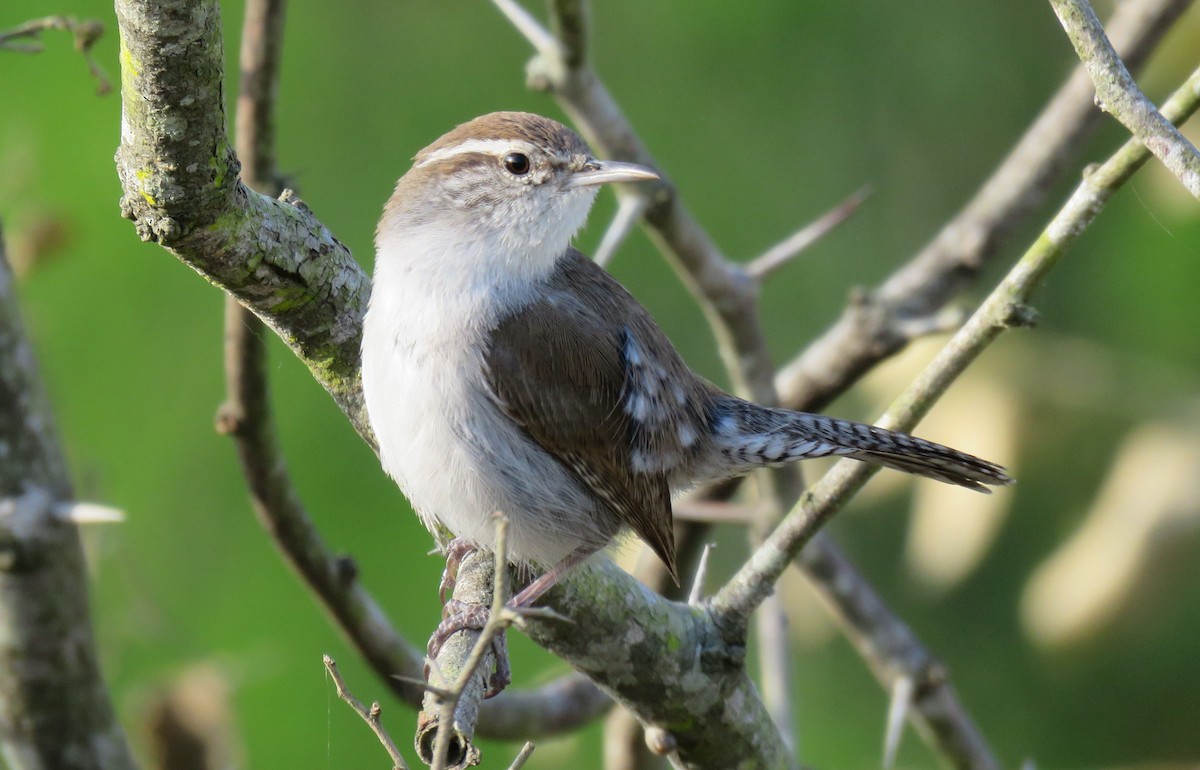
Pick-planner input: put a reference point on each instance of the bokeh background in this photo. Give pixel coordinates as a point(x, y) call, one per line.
point(1067, 608)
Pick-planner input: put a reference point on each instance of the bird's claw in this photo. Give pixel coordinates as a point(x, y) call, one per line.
point(460, 616)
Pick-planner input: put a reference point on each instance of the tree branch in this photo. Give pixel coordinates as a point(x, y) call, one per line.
point(1118, 94)
point(876, 324)
point(1005, 308)
point(667, 662)
point(180, 177)
point(54, 707)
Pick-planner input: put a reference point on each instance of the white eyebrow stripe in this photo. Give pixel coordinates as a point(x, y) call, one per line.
point(485, 146)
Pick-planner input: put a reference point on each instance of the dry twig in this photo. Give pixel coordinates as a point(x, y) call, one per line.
point(369, 715)
point(85, 32)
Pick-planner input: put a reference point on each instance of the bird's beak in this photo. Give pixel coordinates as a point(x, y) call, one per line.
point(596, 172)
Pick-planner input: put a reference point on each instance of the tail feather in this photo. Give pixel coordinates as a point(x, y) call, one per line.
point(754, 436)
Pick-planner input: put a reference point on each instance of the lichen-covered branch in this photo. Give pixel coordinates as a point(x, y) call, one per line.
point(54, 707)
point(1118, 94)
point(666, 661)
point(180, 177)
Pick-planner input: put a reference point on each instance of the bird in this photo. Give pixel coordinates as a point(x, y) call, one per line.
point(503, 370)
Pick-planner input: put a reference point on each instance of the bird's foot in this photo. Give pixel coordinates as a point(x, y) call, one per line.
point(460, 616)
point(456, 550)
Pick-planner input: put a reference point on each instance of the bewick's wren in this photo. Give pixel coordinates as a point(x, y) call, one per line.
point(503, 370)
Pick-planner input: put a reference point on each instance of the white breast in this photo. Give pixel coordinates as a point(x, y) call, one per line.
point(442, 437)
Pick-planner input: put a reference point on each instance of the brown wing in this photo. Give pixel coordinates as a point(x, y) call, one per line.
point(576, 371)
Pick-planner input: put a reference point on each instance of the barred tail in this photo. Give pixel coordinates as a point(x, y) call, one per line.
point(750, 436)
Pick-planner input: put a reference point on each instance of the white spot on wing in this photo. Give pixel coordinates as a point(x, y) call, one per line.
point(638, 407)
point(633, 354)
point(641, 462)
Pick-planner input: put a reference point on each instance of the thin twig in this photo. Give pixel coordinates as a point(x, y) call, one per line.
point(1118, 94)
point(85, 32)
point(369, 715)
point(522, 756)
point(538, 36)
point(785, 251)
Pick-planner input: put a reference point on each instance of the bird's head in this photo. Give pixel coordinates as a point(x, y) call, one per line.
point(520, 183)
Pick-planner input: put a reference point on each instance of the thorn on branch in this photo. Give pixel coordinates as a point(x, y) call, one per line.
point(89, 513)
point(787, 250)
point(629, 210)
point(697, 592)
point(898, 708)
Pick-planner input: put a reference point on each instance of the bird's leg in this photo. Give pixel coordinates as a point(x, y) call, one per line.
point(532, 592)
point(456, 550)
point(461, 616)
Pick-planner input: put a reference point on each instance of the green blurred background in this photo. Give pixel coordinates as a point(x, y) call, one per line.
point(1067, 608)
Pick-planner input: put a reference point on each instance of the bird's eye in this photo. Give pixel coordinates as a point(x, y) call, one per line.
point(517, 163)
